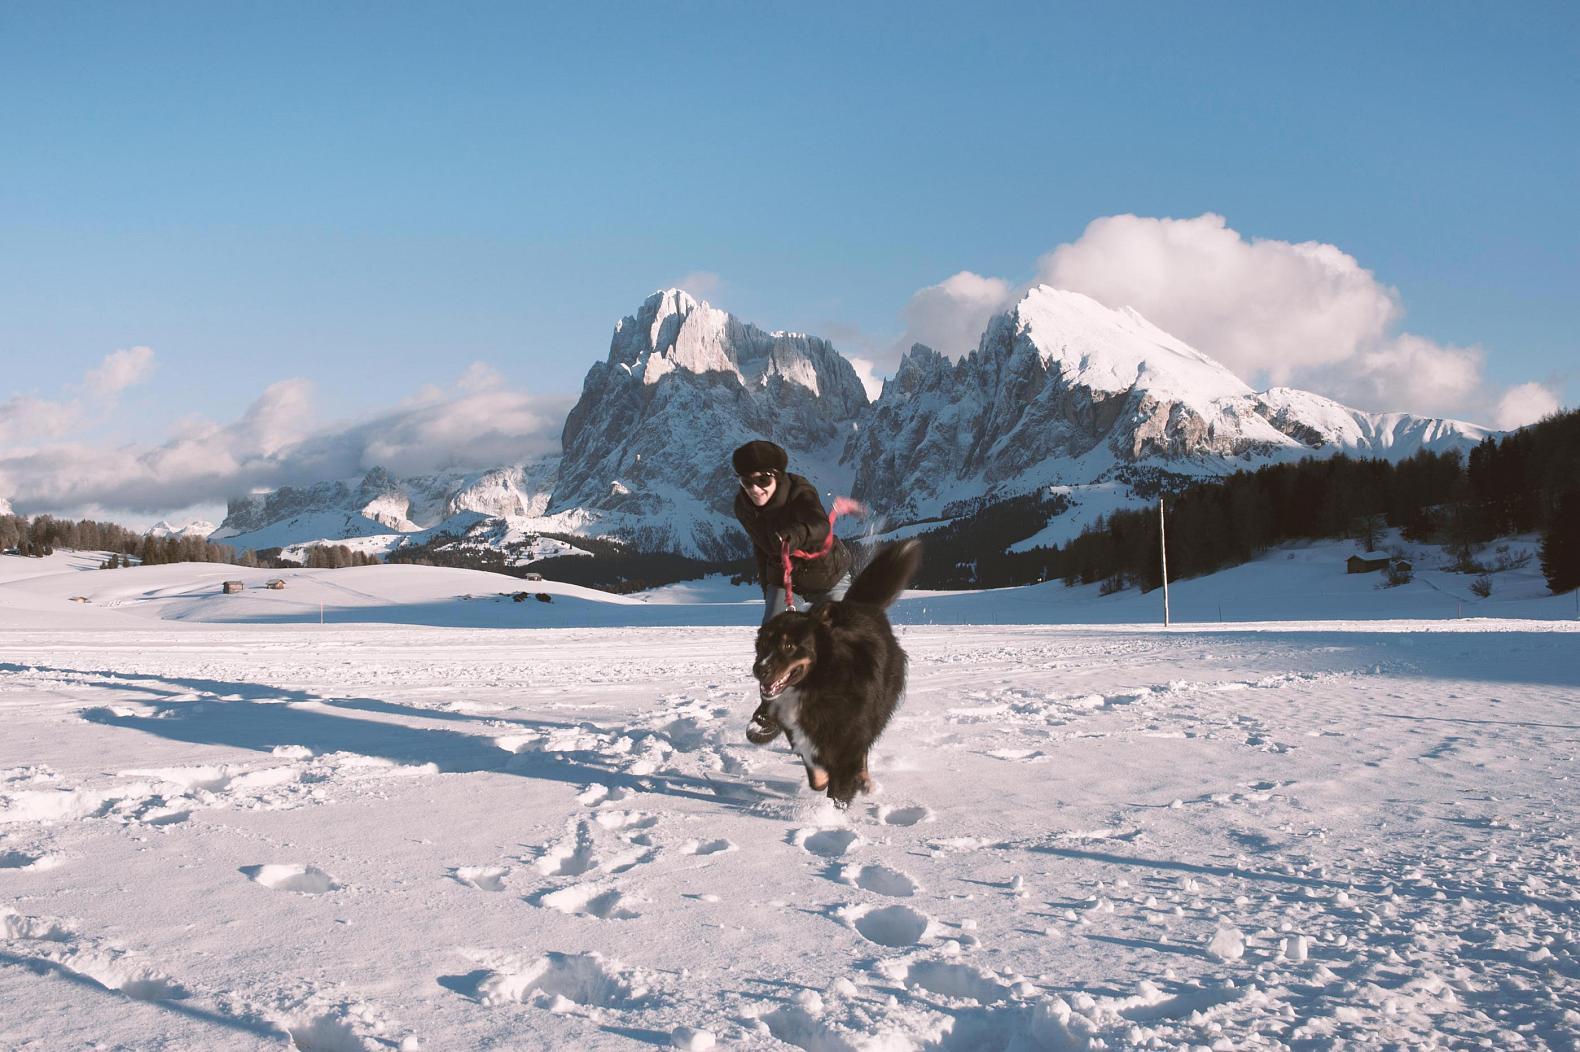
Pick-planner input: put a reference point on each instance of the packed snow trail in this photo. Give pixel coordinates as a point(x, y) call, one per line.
point(386, 838)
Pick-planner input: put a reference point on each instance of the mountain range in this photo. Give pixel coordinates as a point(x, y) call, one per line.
point(1061, 391)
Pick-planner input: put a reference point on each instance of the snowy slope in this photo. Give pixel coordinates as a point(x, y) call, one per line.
point(274, 836)
point(1296, 584)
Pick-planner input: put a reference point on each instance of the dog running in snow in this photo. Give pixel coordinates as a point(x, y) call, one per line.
point(833, 676)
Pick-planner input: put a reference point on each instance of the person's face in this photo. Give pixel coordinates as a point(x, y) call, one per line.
point(759, 486)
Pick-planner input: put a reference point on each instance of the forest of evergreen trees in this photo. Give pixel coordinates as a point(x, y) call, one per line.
point(1525, 481)
point(42, 535)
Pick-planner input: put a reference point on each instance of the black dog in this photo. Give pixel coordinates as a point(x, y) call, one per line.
point(832, 677)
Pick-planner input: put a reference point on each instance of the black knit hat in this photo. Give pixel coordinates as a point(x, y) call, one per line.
point(759, 456)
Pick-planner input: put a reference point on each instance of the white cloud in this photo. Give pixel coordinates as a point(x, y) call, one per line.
point(1407, 373)
point(480, 376)
point(703, 284)
point(274, 443)
point(279, 418)
point(120, 370)
point(26, 419)
point(30, 419)
point(867, 373)
point(949, 317)
point(1264, 308)
point(1524, 404)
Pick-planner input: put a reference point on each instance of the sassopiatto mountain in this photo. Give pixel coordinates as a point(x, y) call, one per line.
point(1060, 392)
point(1064, 391)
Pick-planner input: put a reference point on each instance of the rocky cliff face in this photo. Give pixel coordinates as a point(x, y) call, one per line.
point(647, 447)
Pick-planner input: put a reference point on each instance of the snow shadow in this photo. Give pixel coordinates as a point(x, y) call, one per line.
point(491, 612)
point(260, 717)
point(178, 1006)
point(1549, 659)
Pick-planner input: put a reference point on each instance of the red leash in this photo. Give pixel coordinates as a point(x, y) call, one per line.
point(842, 506)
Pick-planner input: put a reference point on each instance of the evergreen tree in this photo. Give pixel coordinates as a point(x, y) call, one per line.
point(1561, 544)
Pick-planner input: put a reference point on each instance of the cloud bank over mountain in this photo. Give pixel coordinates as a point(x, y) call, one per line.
point(277, 441)
point(1278, 313)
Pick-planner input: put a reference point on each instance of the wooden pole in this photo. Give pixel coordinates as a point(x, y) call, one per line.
point(1163, 545)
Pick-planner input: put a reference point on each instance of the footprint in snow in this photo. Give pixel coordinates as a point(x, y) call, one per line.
point(707, 847)
point(561, 981)
point(483, 878)
point(589, 900)
point(830, 843)
point(880, 879)
point(27, 862)
point(959, 981)
point(902, 816)
point(632, 820)
point(597, 794)
point(571, 856)
point(304, 880)
point(892, 926)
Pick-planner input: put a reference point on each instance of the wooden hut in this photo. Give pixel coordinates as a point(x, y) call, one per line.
point(1368, 563)
point(232, 587)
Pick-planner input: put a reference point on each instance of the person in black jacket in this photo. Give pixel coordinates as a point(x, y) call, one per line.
point(777, 509)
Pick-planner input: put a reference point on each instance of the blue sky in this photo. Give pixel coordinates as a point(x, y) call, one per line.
point(372, 197)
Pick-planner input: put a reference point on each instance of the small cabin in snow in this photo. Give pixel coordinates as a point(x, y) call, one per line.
point(232, 587)
point(275, 585)
point(1368, 562)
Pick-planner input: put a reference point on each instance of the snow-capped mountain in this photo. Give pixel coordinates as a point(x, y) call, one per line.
point(647, 447)
point(381, 506)
point(1064, 391)
point(1061, 391)
point(194, 528)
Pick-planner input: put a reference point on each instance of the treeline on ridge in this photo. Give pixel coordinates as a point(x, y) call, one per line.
point(43, 534)
point(1525, 481)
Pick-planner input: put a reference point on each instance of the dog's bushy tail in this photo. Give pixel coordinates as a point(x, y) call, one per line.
point(881, 583)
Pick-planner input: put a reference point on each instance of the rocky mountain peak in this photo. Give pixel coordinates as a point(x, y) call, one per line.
point(920, 368)
point(684, 384)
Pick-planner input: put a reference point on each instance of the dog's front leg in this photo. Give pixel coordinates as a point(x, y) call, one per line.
point(816, 776)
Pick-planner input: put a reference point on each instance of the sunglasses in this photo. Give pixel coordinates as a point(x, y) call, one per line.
point(757, 480)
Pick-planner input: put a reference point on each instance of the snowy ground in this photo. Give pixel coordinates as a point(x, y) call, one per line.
point(363, 836)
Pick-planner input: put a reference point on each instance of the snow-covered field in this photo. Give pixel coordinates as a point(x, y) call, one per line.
point(440, 822)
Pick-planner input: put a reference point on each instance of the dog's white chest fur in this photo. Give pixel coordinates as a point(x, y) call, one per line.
point(787, 711)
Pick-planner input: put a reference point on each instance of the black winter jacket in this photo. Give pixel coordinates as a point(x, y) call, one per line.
point(793, 513)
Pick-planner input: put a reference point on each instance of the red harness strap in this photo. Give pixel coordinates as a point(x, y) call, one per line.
point(842, 506)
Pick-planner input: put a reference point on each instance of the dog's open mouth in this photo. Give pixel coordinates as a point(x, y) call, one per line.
point(783, 682)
